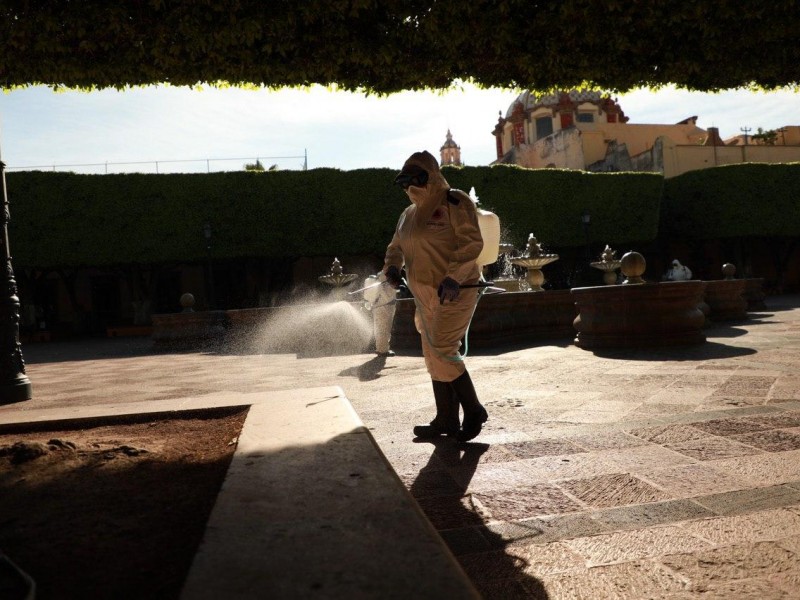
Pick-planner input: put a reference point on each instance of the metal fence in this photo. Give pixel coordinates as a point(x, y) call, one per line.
point(198, 165)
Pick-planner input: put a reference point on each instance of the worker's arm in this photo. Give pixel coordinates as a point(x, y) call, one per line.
point(469, 243)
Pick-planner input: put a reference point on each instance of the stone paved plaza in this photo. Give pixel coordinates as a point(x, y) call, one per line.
point(625, 474)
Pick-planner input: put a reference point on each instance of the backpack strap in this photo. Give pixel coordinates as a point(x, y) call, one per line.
point(452, 199)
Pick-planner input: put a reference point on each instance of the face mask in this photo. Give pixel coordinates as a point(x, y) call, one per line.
point(415, 193)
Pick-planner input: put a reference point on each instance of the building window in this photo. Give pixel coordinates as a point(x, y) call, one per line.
point(544, 127)
point(585, 117)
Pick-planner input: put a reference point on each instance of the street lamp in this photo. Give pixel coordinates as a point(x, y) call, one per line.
point(210, 278)
point(14, 384)
point(586, 220)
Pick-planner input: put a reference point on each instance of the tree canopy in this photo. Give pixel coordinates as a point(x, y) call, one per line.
point(386, 46)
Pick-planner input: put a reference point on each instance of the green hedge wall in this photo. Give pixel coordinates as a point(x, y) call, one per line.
point(65, 219)
point(623, 207)
point(733, 201)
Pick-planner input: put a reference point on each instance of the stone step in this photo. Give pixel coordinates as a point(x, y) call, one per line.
point(310, 507)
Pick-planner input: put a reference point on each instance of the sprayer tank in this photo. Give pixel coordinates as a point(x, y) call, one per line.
point(489, 224)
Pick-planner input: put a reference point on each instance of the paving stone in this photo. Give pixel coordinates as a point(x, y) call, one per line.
point(450, 512)
point(552, 468)
point(715, 567)
point(773, 440)
point(496, 476)
point(536, 448)
point(612, 490)
point(749, 500)
point(582, 416)
point(465, 540)
point(730, 402)
point(577, 585)
point(699, 379)
point(646, 515)
point(760, 526)
point(546, 559)
point(729, 426)
point(611, 440)
point(757, 589)
point(781, 420)
point(522, 503)
point(668, 434)
point(431, 483)
point(791, 543)
point(660, 409)
point(622, 546)
point(687, 396)
point(638, 579)
point(713, 448)
point(745, 385)
point(545, 529)
point(763, 469)
point(501, 534)
point(511, 589)
point(568, 526)
point(495, 564)
point(629, 460)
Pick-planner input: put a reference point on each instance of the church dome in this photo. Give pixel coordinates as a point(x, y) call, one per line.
point(531, 101)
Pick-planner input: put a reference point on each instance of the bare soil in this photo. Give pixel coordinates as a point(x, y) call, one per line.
point(115, 509)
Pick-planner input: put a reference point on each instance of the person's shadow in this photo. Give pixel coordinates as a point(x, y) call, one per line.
point(368, 371)
point(440, 489)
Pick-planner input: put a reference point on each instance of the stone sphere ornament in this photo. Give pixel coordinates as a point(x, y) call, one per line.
point(187, 302)
point(728, 270)
point(633, 266)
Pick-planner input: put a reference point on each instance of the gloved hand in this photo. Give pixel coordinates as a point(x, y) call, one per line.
point(448, 290)
point(393, 276)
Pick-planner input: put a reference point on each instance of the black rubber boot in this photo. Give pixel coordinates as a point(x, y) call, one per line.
point(475, 414)
point(446, 420)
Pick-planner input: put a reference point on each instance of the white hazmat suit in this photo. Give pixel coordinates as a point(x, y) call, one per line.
point(438, 238)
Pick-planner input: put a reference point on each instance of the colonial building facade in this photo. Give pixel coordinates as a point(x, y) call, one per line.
point(585, 130)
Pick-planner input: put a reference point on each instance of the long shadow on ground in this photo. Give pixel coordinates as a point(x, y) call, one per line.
point(495, 573)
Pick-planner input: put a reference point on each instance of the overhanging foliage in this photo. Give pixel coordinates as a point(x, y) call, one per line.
point(68, 220)
point(391, 45)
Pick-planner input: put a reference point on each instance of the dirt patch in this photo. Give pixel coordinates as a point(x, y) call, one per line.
point(114, 509)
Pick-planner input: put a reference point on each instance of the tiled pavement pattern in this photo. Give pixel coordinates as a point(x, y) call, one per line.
point(625, 474)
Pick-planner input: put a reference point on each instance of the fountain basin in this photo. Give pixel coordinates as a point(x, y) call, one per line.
point(501, 319)
point(754, 293)
point(639, 315)
point(609, 268)
point(726, 299)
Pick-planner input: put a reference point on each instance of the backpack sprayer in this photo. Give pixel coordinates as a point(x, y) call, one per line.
point(489, 225)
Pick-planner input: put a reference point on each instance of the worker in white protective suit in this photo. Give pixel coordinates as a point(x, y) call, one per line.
point(438, 241)
point(381, 301)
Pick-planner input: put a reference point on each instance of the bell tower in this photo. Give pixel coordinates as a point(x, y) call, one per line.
point(450, 152)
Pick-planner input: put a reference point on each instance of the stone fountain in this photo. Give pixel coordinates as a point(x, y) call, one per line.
point(502, 272)
point(608, 264)
point(338, 279)
point(638, 313)
point(533, 259)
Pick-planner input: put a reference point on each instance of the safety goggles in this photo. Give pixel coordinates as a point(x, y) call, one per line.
point(417, 179)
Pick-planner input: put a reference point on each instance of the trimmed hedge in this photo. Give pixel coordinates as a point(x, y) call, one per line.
point(623, 207)
point(742, 200)
point(64, 219)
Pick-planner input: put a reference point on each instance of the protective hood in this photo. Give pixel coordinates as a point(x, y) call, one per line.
point(437, 184)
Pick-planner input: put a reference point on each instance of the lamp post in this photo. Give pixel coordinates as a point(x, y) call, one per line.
point(586, 220)
point(14, 384)
point(210, 278)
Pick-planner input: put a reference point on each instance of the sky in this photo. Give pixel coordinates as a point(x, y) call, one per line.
point(224, 129)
